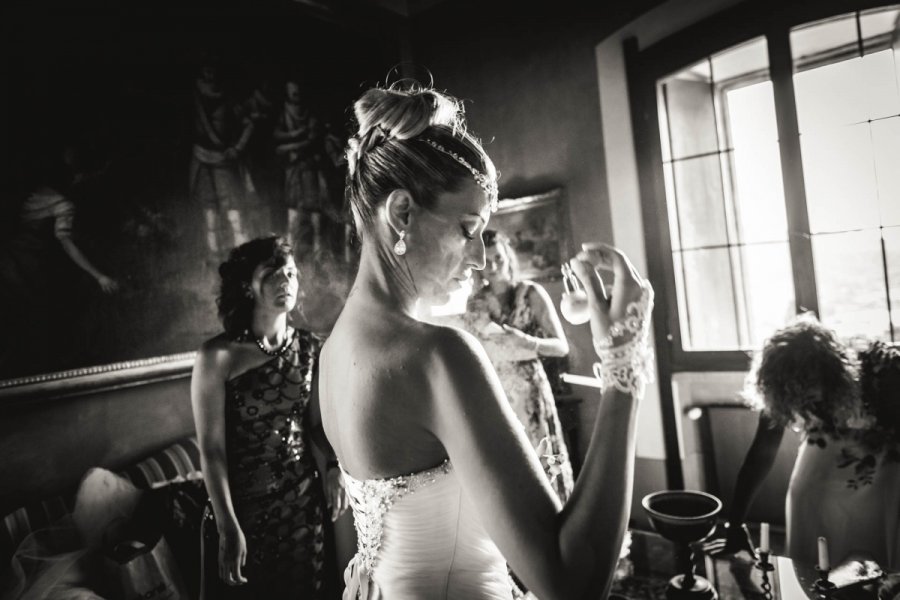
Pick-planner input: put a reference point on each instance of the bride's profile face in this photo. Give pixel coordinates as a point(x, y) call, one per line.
point(445, 245)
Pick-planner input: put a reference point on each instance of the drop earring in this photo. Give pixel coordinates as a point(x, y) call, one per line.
point(400, 246)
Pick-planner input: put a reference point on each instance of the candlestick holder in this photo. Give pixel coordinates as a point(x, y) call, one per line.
point(762, 562)
point(765, 584)
point(823, 587)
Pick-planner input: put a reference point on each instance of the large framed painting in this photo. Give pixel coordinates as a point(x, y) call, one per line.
point(140, 145)
point(538, 228)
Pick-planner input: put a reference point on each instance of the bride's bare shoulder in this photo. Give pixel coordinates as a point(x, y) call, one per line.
point(454, 350)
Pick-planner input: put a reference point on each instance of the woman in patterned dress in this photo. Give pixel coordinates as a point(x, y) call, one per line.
point(255, 414)
point(845, 484)
point(517, 324)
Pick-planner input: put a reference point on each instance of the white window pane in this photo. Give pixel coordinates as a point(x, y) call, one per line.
point(877, 26)
point(850, 283)
point(748, 58)
point(892, 251)
point(701, 208)
point(683, 319)
point(879, 78)
point(710, 299)
point(846, 92)
point(756, 164)
point(814, 38)
point(839, 172)
point(672, 207)
point(886, 147)
point(751, 115)
point(896, 54)
point(691, 113)
point(768, 287)
point(759, 195)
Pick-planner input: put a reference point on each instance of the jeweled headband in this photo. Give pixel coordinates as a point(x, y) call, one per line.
point(488, 184)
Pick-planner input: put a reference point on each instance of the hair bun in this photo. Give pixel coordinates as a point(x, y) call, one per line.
point(404, 114)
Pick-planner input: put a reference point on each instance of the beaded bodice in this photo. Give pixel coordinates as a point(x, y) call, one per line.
point(420, 536)
point(371, 499)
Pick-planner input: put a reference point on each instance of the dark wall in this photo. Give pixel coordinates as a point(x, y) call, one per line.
point(529, 77)
point(47, 445)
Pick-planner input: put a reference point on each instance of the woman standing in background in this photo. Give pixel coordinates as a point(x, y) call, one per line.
point(256, 415)
point(517, 324)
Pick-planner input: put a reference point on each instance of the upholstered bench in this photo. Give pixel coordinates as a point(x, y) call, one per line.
point(173, 474)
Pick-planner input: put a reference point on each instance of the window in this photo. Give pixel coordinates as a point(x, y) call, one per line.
point(725, 200)
point(773, 201)
point(848, 114)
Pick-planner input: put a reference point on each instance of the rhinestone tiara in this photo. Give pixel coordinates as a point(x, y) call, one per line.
point(486, 183)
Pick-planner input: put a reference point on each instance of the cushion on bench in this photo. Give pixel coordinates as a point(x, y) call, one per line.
point(177, 463)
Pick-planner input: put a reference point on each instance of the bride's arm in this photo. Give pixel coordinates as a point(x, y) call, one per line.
point(563, 553)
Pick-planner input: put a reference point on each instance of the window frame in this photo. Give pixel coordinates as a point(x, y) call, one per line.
point(645, 67)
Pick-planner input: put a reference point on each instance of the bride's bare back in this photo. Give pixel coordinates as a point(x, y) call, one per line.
point(375, 393)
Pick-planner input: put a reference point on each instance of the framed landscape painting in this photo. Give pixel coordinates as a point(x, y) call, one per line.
point(538, 228)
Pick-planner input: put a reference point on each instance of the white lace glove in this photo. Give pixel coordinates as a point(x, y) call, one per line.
point(620, 319)
point(628, 365)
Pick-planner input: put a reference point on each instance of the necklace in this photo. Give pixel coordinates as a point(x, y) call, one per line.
point(275, 351)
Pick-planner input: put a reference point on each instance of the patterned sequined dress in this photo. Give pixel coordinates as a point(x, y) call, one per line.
point(275, 486)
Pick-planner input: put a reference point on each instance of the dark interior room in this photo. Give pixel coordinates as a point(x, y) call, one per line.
point(734, 161)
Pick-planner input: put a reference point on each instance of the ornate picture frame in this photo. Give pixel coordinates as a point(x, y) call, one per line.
point(538, 227)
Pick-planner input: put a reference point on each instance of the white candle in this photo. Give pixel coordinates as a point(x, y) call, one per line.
point(764, 537)
point(824, 563)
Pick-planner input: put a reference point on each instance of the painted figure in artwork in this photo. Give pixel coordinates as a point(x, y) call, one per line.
point(219, 179)
point(299, 142)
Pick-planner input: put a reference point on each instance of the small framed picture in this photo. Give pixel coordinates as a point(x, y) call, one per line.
point(538, 228)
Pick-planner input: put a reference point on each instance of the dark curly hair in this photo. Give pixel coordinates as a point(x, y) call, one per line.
point(880, 382)
point(805, 355)
point(235, 305)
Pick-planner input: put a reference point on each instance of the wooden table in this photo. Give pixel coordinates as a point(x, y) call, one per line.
point(737, 577)
point(652, 562)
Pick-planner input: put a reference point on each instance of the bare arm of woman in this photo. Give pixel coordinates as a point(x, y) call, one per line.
point(757, 464)
point(208, 402)
point(545, 314)
point(560, 553)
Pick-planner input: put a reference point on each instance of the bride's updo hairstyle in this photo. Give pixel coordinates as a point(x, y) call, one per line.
point(413, 139)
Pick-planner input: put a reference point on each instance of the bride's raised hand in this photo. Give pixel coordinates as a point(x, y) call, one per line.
point(608, 305)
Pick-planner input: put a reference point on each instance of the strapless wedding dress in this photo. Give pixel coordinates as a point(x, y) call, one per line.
point(420, 539)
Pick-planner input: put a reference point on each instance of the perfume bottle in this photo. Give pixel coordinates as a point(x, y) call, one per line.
point(574, 304)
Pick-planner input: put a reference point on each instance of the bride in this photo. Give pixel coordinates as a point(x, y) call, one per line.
point(444, 484)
